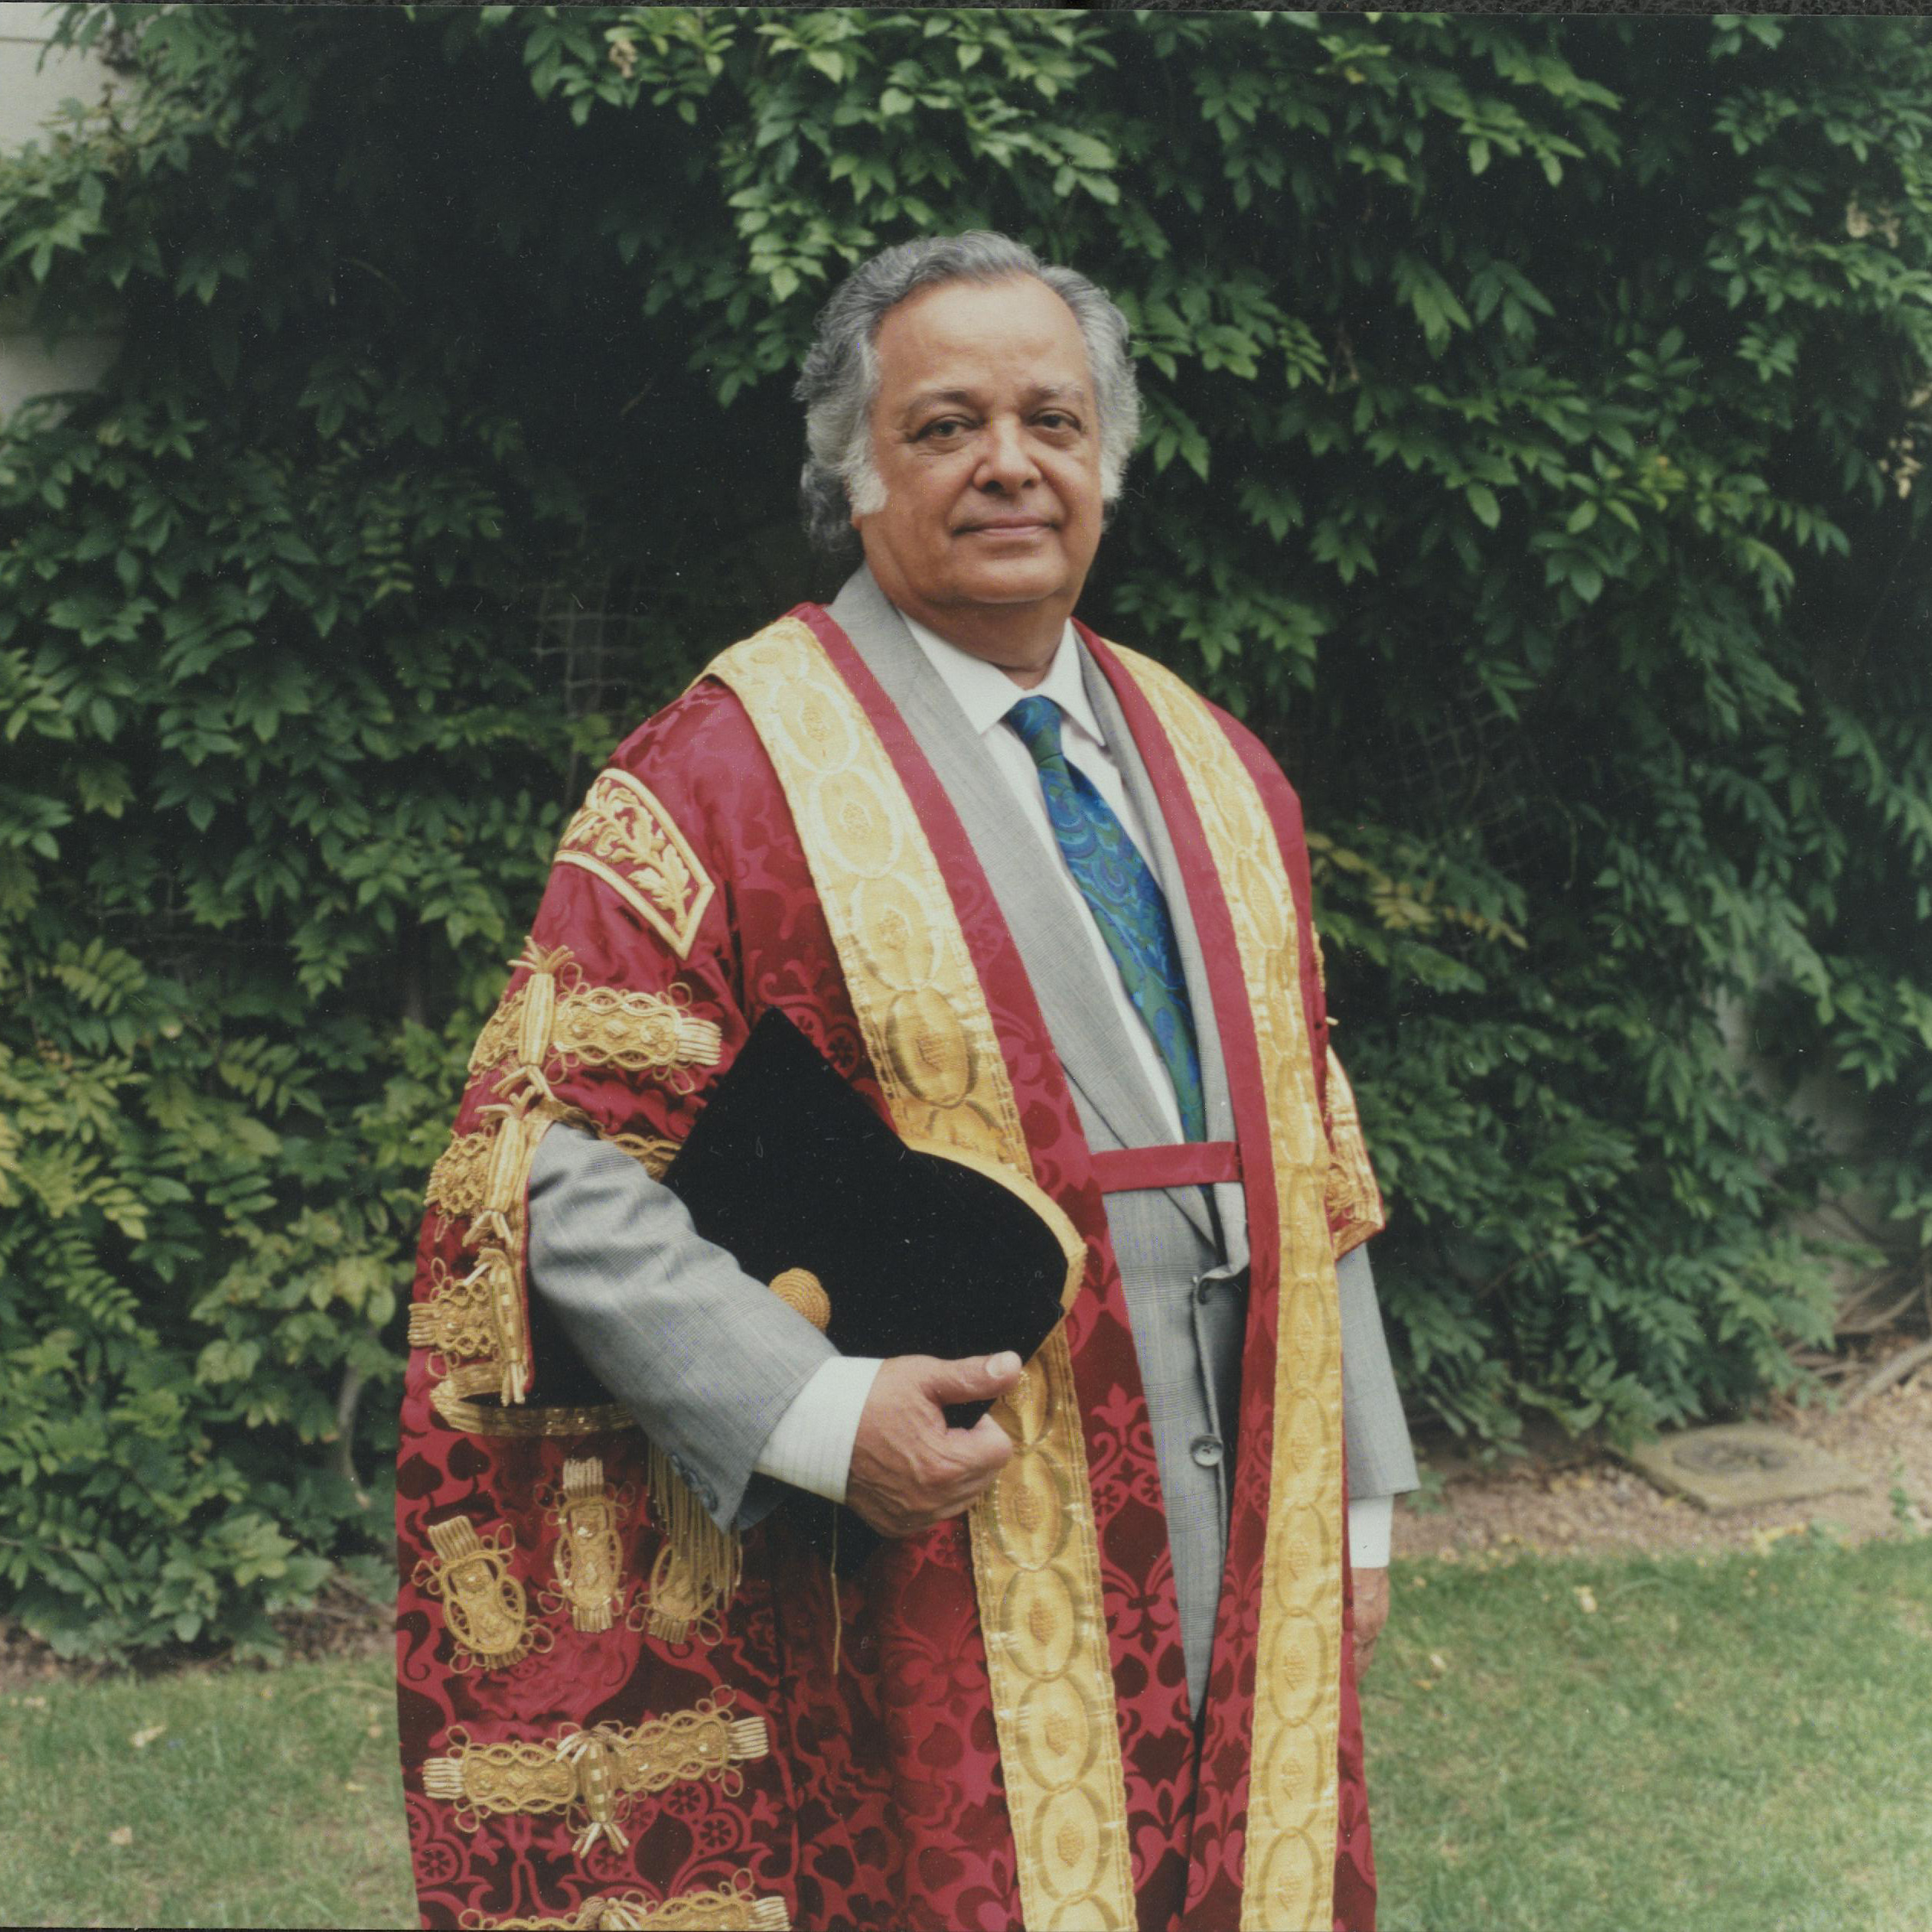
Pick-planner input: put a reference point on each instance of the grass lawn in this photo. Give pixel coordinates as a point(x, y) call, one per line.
point(271, 1798)
point(1740, 1745)
point(1744, 1746)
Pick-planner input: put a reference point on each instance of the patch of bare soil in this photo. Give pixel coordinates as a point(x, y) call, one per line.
point(1567, 1495)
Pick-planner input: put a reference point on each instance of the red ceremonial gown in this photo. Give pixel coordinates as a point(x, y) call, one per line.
point(612, 1715)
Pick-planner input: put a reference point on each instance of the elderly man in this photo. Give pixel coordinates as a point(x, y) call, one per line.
point(1042, 906)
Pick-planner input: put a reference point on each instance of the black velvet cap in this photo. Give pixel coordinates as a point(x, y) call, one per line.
point(920, 1251)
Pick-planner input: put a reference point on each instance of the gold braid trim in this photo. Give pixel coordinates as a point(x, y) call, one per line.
point(482, 1602)
point(588, 1558)
point(591, 1776)
point(477, 1319)
point(519, 1029)
point(1288, 1877)
point(651, 1152)
point(473, 1324)
point(451, 1397)
point(696, 1572)
point(931, 1039)
point(623, 835)
point(460, 1179)
point(598, 1026)
point(732, 1907)
point(1354, 1201)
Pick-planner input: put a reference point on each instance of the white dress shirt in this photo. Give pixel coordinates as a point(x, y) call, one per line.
point(810, 1445)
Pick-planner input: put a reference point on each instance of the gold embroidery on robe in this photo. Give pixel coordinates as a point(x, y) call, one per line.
point(623, 835)
point(591, 1776)
point(473, 1324)
point(459, 1180)
point(1354, 1201)
point(1289, 1874)
point(598, 1026)
point(483, 1601)
point(732, 1907)
point(588, 1558)
point(651, 1152)
point(931, 1042)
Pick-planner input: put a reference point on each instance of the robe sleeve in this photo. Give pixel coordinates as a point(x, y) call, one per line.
point(627, 1000)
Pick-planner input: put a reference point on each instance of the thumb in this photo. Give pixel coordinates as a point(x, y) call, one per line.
point(973, 1378)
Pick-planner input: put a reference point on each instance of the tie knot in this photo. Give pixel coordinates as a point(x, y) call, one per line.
point(1036, 721)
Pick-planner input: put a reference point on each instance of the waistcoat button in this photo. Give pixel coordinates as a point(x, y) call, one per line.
point(1207, 1450)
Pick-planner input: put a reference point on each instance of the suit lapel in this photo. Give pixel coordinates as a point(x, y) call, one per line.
point(1099, 1060)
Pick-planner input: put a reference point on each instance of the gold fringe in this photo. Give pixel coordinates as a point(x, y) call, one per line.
point(696, 1573)
point(837, 1603)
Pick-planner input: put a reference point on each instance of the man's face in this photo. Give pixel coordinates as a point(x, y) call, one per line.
point(985, 434)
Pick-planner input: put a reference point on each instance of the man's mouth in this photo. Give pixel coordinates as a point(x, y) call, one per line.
point(1007, 526)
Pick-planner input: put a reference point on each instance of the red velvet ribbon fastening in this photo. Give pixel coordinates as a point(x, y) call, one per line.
point(1185, 1164)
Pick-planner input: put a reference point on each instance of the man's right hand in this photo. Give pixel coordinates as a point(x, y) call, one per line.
point(909, 1471)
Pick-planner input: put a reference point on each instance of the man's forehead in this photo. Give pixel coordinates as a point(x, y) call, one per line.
point(960, 325)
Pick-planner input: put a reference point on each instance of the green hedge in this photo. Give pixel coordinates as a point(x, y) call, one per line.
point(1529, 456)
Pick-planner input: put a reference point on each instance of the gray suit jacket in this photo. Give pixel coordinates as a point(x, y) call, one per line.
point(690, 1343)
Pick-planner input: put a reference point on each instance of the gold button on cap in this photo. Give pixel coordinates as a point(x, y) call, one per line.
point(800, 1288)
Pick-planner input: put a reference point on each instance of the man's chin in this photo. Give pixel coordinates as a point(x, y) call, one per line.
point(1034, 582)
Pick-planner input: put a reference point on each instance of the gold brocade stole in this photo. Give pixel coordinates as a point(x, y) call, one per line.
point(1288, 1878)
point(923, 1016)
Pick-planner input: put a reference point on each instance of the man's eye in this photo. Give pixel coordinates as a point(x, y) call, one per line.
point(945, 428)
point(1058, 419)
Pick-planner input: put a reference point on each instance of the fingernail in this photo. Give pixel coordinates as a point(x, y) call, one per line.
point(1004, 1363)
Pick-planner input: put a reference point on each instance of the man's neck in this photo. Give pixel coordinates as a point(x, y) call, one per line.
point(1019, 639)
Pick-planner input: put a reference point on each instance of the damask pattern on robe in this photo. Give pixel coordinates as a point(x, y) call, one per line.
point(1293, 1791)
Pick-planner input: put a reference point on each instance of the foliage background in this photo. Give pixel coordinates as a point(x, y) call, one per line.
point(1532, 413)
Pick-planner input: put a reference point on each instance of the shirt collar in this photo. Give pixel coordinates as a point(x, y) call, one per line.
point(986, 694)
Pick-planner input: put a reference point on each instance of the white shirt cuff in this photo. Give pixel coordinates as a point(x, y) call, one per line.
point(1370, 1522)
point(810, 1444)
point(810, 1447)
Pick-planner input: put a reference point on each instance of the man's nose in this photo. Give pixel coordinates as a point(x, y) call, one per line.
point(1006, 463)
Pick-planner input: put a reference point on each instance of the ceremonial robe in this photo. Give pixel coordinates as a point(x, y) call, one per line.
point(609, 1716)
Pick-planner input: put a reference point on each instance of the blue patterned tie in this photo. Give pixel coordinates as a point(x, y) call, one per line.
point(1127, 899)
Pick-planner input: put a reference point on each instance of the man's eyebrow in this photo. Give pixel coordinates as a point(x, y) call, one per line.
point(967, 398)
point(925, 398)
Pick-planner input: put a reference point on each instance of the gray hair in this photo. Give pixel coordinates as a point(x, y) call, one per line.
point(840, 380)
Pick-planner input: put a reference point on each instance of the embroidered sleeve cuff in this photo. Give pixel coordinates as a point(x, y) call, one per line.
point(810, 1444)
point(1369, 1523)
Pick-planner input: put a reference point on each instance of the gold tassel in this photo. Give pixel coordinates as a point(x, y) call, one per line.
point(696, 1573)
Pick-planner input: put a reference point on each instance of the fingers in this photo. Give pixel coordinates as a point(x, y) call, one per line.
point(974, 1378)
point(982, 1451)
point(909, 1471)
